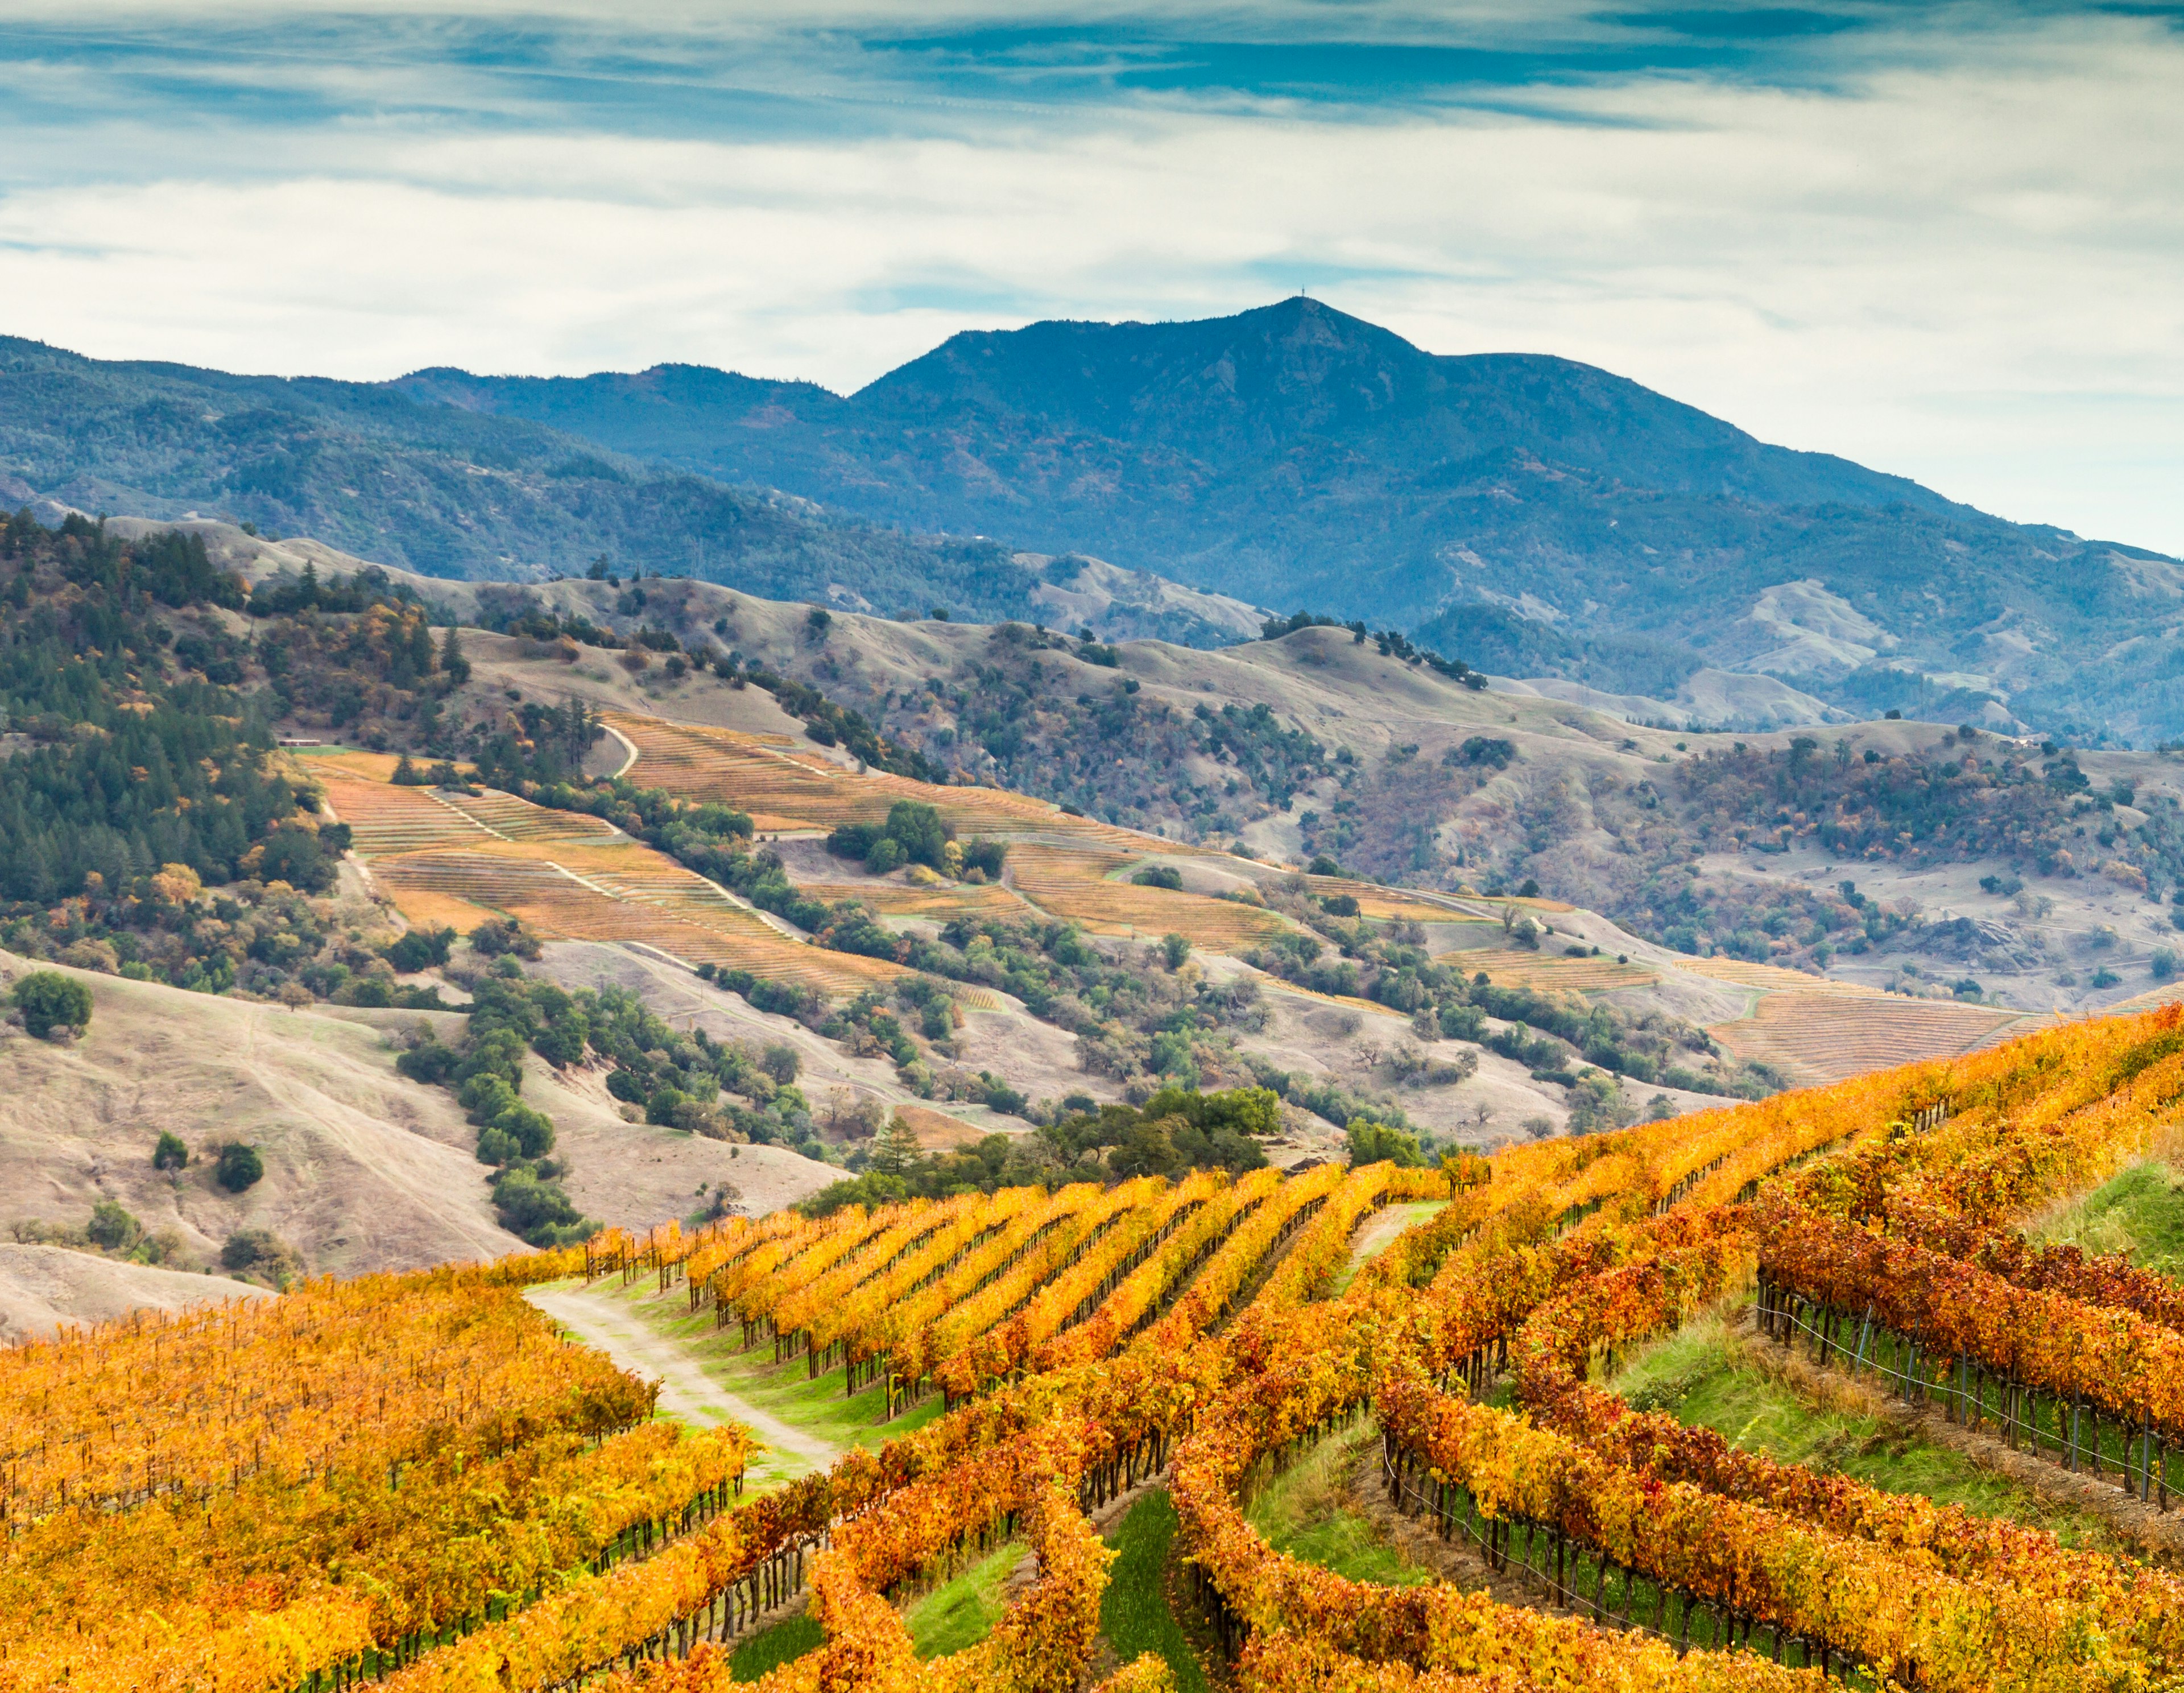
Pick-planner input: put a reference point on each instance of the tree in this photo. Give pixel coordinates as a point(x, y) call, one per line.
point(497, 935)
point(294, 856)
point(420, 949)
point(171, 1154)
point(259, 1255)
point(1372, 1142)
point(239, 1167)
point(1176, 948)
point(895, 1149)
point(452, 664)
point(49, 1000)
point(782, 1062)
point(112, 1228)
point(918, 827)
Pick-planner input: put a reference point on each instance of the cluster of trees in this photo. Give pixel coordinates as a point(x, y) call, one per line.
point(132, 763)
point(1173, 1131)
point(915, 832)
point(509, 1015)
point(1967, 796)
point(1110, 750)
point(1547, 1032)
point(262, 938)
point(1392, 643)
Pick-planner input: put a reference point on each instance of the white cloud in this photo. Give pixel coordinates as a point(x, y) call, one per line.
point(1962, 270)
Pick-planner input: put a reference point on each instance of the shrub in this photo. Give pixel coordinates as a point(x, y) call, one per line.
point(420, 949)
point(239, 1167)
point(497, 935)
point(1160, 876)
point(532, 1129)
point(1372, 1142)
point(918, 827)
point(429, 1062)
point(259, 1255)
point(2164, 962)
point(885, 854)
point(535, 1209)
point(49, 1000)
point(171, 1154)
point(112, 1228)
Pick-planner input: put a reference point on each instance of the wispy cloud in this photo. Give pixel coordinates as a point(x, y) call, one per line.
point(1942, 239)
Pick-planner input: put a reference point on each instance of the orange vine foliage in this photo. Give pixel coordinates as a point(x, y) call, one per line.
point(238, 1500)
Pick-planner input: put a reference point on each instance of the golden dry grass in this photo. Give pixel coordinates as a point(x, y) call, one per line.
point(424, 908)
point(370, 766)
point(936, 1130)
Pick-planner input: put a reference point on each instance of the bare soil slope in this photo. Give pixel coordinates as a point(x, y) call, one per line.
point(365, 1170)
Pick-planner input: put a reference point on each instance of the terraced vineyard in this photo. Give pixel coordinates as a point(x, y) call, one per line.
point(1824, 1036)
point(900, 899)
point(415, 1483)
point(788, 791)
point(1771, 978)
point(1081, 885)
point(456, 859)
point(1514, 968)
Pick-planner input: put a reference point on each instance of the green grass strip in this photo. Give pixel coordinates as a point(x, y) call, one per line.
point(1134, 1615)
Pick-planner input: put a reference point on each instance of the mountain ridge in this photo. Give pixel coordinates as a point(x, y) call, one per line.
point(1536, 516)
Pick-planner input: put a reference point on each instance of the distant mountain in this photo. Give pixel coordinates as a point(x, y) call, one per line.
point(1536, 516)
point(1532, 514)
point(449, 493)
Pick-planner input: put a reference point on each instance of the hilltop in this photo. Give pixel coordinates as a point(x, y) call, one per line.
point(1533, 514)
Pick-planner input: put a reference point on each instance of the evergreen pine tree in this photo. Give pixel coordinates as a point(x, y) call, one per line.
point(452, 664)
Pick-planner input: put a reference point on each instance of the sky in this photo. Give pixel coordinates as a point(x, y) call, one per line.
point(1945, 240)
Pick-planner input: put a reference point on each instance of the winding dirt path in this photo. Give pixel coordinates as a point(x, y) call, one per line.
point(685, 1389)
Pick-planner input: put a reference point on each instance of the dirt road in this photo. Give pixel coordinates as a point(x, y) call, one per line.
point(685, 1390)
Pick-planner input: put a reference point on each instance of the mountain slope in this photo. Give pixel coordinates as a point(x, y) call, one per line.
point(1534, 515)
point(443, 492)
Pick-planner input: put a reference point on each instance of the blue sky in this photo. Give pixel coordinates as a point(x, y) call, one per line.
point(1941, 239)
